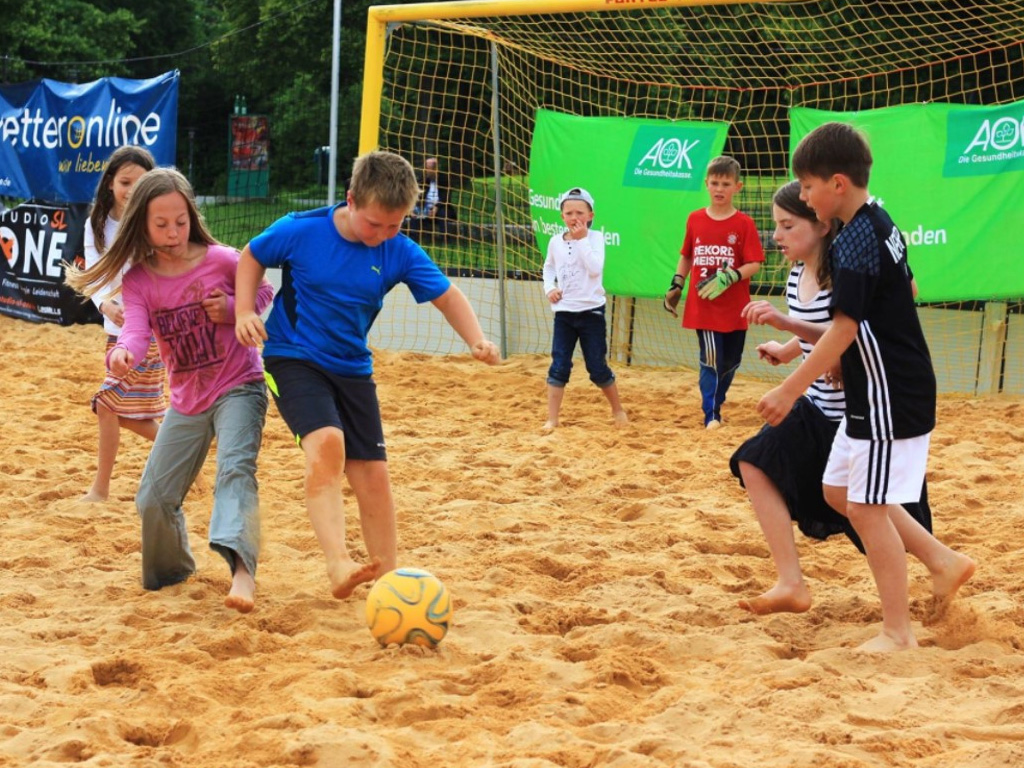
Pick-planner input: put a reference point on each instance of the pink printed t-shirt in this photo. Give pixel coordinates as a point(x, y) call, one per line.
point(203, 358)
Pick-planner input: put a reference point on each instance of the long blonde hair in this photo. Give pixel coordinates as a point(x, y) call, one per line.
point(131, 245)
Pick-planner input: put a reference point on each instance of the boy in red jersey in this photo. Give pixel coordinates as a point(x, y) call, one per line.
point(721, 252)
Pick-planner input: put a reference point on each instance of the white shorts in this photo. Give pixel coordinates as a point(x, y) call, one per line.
point(878, 471)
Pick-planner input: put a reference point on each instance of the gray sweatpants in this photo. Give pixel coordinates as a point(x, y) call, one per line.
point(236, 419)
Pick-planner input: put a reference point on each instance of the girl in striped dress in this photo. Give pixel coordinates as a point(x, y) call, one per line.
point(781, 467)
point(136, 400)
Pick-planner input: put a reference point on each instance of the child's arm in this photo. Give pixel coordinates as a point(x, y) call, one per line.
point(551, 289)
point(105, 297)
point(135, 334)
point(684, 267)
point(221, 307)
point(459, 313)
point(777, 354)
point(749, 269)
point(675, 291)
point(249, 328)
point(765, 313)
point(776, 404)
point(591, 252)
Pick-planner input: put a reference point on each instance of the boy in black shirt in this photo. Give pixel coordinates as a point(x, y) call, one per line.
point(880, 452)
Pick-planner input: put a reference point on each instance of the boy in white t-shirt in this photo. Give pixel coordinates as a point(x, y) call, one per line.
point(572, 283)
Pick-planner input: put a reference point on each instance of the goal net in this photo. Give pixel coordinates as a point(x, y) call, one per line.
point(471, 86)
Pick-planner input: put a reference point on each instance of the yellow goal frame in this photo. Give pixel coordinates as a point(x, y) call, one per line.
point(380, 16)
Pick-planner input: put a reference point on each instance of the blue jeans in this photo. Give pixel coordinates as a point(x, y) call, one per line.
point(236, 419)
point(720, 356)
point(588, 328)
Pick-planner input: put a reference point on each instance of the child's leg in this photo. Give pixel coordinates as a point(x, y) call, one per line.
point(109, 441)
point(325, 462)
point(238, 417)
point(242, 596)
point(371, 484)
point(611, 393)
point(563, 342)
point(728, 362)
point(835, 496)
point(710, 349)
point(845, 485)
point(140, 391)
point(106, 454)
point(949, 569)
point(790, 593)
point(593, 334)
point(555, 396)
point(177, 456)
point(146, 428)
point(888, 562)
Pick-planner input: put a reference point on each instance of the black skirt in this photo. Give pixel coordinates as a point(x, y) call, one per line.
point(793, 455)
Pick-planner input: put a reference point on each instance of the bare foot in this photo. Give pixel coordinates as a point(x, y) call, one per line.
point(620, 418)
point(94, 496)
point(549, 425)
point(884, 643)
point(346, 575)
point(242, 596)
point(953, 575)
point(779, 599)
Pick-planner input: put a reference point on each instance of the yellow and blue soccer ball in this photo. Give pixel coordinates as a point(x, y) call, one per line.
point(408, 605)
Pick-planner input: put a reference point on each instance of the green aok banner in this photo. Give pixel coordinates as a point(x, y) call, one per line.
point(645, 176)
point(952, 178)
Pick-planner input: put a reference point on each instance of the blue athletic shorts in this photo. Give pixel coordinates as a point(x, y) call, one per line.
point(311, 398)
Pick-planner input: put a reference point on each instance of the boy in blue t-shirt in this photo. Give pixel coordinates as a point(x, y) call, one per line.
point(880, 452)
point(338, 264)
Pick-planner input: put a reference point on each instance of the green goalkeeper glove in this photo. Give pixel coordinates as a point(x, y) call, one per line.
point(714, 286)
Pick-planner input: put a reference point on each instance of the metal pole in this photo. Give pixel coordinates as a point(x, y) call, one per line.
point(499, 218)
point(332, 160)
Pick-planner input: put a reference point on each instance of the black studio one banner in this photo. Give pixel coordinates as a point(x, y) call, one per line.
point(37, 238)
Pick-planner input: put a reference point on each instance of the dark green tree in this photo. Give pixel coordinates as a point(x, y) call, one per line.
point(35, 46)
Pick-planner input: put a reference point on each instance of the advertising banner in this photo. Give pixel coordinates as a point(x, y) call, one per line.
point(249, 172)
point(55, 137)
point(646, 176)
point(952, 178)
point(37, 238)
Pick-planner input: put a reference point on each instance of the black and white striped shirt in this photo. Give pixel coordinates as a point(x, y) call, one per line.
point(829, 400)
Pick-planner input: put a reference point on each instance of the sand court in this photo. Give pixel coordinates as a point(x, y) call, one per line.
point(595, 573)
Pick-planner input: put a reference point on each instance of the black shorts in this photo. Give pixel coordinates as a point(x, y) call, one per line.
point(311, 398)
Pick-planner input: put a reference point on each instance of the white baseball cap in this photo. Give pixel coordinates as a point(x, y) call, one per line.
point(577, 193)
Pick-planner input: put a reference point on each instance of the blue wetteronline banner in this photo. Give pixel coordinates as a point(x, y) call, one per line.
point(55, 137)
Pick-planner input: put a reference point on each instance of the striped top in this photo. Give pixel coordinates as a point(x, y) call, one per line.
point(829, 400)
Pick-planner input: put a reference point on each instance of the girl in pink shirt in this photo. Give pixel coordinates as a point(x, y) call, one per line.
point(180, 289)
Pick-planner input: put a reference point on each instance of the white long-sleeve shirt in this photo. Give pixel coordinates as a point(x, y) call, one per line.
point(92, 255)
point(576, 267)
